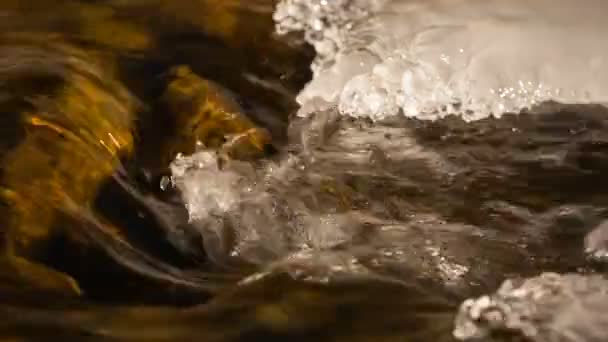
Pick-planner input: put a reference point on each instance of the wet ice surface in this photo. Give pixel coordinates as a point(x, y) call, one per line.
point(473, 58)
point(459, 203)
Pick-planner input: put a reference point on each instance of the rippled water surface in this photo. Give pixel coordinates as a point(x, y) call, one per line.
point(303, 170)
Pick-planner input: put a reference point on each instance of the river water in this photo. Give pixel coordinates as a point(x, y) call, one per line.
point(435, 171)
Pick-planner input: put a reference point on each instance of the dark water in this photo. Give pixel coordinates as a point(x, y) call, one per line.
point(431, 212)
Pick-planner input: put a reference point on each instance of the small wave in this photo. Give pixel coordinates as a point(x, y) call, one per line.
point(401, 197)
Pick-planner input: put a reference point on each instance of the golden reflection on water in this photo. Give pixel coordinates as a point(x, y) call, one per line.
point(90, 86)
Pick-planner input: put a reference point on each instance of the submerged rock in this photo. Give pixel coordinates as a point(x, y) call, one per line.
point(204, 113)
point(77, 122)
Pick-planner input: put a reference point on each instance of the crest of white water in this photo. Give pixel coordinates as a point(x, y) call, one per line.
point(550, 307)
point(431, 58)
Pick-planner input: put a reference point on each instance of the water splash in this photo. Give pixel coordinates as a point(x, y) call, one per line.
point(400, 203)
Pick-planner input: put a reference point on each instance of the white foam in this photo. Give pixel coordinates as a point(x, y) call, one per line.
point(549, 307)
point(206, 191)
point(431, 58)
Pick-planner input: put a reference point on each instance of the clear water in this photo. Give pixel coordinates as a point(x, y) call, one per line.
point(474, 196)
point(409, 184)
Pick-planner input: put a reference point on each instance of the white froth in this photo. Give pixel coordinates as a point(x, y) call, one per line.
point(428, 59)
point(205, 190)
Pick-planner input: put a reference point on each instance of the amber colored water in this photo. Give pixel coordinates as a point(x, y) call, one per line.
point(84, 130)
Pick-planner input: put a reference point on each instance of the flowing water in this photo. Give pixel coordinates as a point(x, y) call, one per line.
point(387, 170)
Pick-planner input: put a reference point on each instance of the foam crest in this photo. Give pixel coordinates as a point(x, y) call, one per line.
point(429, 59)
point(544, 308)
